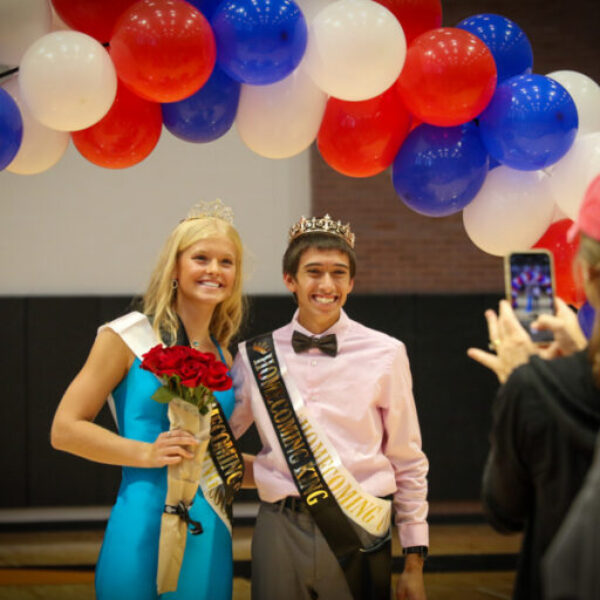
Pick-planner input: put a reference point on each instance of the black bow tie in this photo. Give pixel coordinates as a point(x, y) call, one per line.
point(326, 344)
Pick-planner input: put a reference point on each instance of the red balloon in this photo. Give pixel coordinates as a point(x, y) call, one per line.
point(163, 50)
point(414, 123)
point(448, 78)
point(569, 287)
point(94, 17)
point(361, 139)
point(415, 16)
point(125, 136)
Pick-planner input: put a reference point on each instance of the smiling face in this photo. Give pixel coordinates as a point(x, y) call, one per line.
point(321, 285)
point(206, 271)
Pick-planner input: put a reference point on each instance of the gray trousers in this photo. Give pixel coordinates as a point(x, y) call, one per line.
point(291, 559)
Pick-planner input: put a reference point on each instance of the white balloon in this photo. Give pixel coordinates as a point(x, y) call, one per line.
point(571, 175)
point(558, 214)
point(310, 8)
point(21, 23)
point(68, 80)
point(57, 23)
point(356, 49)
point(511, 211)
point(586, 95)
point(41, 147)
point(282, 119)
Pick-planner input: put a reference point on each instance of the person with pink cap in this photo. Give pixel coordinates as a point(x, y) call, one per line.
point(588, 219)
point(569, 568)
point(546, 414)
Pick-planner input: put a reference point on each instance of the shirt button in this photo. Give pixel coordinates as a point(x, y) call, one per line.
point(313, 363)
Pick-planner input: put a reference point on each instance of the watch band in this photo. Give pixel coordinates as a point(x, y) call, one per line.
point(422, 551)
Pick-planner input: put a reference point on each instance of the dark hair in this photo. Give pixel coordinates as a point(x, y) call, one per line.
point(321, 241)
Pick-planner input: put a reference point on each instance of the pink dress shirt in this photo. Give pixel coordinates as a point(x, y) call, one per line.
point(363, 400)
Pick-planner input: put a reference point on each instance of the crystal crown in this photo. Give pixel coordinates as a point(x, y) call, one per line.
point(215, 209)
point(322, 225)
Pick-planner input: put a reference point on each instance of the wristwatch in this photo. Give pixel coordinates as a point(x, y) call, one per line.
point(422, 551)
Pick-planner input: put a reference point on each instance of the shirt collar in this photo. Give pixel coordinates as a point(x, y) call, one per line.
point(339, 327)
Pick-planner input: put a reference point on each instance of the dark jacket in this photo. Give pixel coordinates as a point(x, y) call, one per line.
point(570, 566)
point(545, 420)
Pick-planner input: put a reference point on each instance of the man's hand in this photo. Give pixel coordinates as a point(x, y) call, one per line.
point(410, 585)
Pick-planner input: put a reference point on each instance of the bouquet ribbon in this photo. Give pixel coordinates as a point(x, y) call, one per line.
point(182, 484)
point(195, 527)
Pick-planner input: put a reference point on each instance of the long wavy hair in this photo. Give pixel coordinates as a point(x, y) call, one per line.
point(589, 254)
point(159, 300)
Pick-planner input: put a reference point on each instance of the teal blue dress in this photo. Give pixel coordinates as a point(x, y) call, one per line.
point(126, 567)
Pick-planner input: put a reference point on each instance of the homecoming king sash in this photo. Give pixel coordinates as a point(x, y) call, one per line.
point(329, 491)
point(222, 467)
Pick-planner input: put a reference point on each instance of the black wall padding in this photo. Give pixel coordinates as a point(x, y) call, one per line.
point(46, 341)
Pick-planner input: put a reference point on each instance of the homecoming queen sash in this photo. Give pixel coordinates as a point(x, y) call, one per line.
point(329, 491)
point(222, 467)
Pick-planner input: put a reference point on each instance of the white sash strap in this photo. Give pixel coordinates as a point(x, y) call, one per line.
point(135, 330)
point(137, 333)
point(369, 512)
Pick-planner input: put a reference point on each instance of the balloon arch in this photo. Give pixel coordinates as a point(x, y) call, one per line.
point(456, 112)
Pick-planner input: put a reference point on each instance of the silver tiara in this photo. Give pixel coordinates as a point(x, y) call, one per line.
point(215, 209)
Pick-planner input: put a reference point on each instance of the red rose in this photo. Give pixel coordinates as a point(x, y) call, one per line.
point(205, 357)
point(171, 360)
point(216, 377)
point(192, 371)
point(152, 358)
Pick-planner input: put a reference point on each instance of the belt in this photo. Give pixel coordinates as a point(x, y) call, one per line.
point(293, 503)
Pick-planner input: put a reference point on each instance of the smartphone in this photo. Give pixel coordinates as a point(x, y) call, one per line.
point(529, 279)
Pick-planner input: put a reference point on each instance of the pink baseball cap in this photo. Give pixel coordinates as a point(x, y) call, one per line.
point(588, 219)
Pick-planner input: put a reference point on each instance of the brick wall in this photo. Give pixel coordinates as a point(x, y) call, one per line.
point(401, 251)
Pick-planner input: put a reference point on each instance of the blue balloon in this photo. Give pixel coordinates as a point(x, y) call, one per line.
point(494, 163)
point(585, 316)
point(439, 170)
point(206, 7)
point(11, 129)
point(506, 40)
point(530, 122)
point(259, 41)
point(206, 115)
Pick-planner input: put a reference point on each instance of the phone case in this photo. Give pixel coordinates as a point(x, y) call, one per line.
point(530, 288)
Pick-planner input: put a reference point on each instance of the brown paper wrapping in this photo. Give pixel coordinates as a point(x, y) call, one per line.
point(182, 484)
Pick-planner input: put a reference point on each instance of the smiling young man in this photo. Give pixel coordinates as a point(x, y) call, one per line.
point(332, 401)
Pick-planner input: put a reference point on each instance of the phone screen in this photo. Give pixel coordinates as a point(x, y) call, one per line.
point(531, 289)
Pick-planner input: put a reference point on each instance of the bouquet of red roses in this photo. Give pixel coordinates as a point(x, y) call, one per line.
point(189, 378)
point(187, 374)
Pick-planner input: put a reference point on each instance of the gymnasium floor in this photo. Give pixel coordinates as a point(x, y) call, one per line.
point(54, 561)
